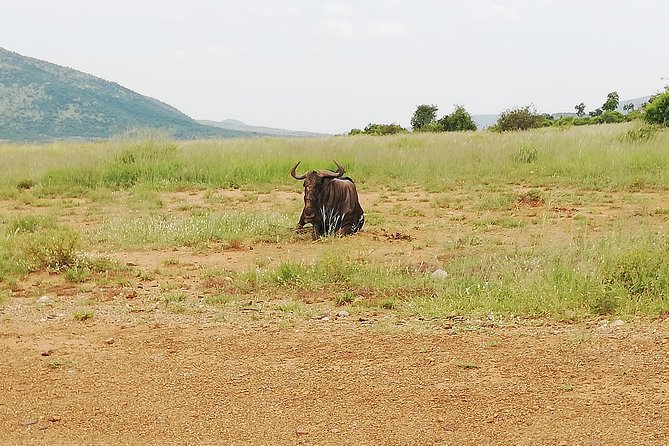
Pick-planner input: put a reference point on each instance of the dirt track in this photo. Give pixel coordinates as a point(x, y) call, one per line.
point(136, 373)
point(334, 382)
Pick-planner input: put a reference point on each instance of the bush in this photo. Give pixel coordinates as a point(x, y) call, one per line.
point(432, 127)
point(458, 121)
point(657, 112)
point(522, 118)
point(384, 129)
point(609, 117)
point(53, 249)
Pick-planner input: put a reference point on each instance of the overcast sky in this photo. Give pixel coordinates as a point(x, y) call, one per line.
point(332, 66)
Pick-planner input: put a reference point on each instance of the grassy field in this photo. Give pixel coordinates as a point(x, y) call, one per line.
point(560, 223)
point(622, 156)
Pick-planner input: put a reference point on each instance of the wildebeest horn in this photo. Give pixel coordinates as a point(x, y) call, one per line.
point(328, 174)
point(292, 172)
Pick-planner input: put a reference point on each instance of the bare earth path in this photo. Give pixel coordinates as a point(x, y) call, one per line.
point(333, 382)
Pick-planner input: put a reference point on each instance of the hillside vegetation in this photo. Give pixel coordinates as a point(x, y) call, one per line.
point(42, 101)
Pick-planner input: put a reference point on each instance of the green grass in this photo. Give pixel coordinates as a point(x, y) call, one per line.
point(620, 275)
point(599, 157)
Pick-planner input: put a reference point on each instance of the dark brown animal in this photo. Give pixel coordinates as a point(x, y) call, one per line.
point(330, 203)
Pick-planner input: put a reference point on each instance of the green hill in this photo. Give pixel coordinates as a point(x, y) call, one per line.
point(43, 101)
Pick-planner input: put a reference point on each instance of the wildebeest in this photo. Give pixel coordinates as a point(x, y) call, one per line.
point(330, 203)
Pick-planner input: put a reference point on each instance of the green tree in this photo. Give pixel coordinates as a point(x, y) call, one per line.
point(612, 101)
point(580, 109)
point(423, 116)
point(458, 121)
point(657, 110)
point(521, 118)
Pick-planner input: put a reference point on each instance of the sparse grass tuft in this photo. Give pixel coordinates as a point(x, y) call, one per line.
point(345, 298)
point(293, 308)
point(219, 299)
point(463, 364)
point(77, 274)
point(57, 363)
point(83, 315)
point(172, 298)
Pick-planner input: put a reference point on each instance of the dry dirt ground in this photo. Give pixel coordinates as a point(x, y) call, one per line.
point(138, 374)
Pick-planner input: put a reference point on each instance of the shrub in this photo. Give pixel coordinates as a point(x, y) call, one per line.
point(657, 112)
point(522, 118)
point(384, 129)
point(54, 249)
point(610, 117)
point(459, 120)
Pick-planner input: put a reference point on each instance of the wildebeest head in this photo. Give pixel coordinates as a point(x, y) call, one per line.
point(313, 183)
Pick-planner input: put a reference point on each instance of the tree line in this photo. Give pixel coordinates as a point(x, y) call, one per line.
point(424, 119)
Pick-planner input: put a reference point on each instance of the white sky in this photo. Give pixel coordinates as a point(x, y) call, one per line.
point(332, 66)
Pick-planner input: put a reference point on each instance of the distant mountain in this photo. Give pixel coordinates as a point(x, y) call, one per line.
point(233, 124)
point(638, 103)
point(43, 101)
point(484, 121)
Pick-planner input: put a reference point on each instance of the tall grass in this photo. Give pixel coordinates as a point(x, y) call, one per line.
point(599, 157)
